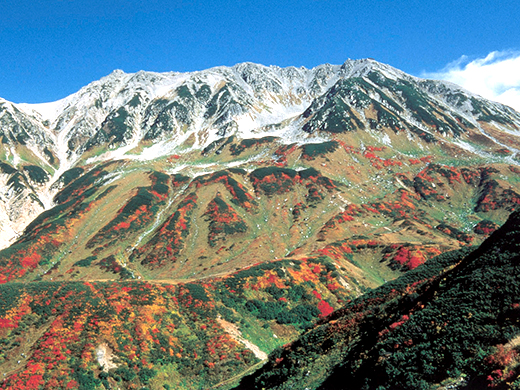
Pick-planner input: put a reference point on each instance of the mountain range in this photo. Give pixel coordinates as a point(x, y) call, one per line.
point(155, 226)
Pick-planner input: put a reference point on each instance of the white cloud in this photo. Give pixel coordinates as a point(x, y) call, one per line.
point(495, 77)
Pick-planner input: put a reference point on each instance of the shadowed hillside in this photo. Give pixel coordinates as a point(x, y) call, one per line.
point(453, 321)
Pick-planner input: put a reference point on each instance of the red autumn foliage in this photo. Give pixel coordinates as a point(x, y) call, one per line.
point(316, 294)
point(324, 308)
point(396, 324)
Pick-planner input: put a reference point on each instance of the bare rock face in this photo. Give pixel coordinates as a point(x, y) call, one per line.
point(15, 215)
point(19, 204)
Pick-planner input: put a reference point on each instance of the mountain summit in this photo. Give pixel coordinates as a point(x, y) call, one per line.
point(175, 228)
point(146, 116)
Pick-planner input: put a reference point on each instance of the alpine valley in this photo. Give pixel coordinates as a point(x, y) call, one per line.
point(260, 227)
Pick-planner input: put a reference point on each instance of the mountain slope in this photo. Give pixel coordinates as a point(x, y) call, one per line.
point(437, 324)
point(247, 202)
point(146, 116)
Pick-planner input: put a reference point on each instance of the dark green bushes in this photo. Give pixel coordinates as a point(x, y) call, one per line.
point(311, 151)
point(36, 174)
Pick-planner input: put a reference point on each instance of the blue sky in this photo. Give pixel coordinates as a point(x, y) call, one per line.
point(51, 48)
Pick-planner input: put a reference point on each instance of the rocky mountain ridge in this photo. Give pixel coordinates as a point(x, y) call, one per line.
point(245, 203)
point(148, 115)
point(126, 109)
point(352, 124)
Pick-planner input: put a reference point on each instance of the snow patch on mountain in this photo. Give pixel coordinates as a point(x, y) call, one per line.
point(144, 116)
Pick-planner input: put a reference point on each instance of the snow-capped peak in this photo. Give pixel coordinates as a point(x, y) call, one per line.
point(122, 109)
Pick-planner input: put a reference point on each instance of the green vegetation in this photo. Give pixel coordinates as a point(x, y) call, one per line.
point(113, 130)
point(17, 181)
point(77, 187)
point(154, 329)
point(135, 101)
point(223, 221)
point(70, 175)
point(215, 265)
point(240, 196)
point(418, 103)
point(7, 169)
point(218, 145)
point(331, 114)
point(85, 262)
point(49, 155)
point(36, 174)
point(387, 119)
point(203, 93)
point(311, 151)
point(168, 242)
point(237, 149)
point(449, 318)
point(485, 115)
